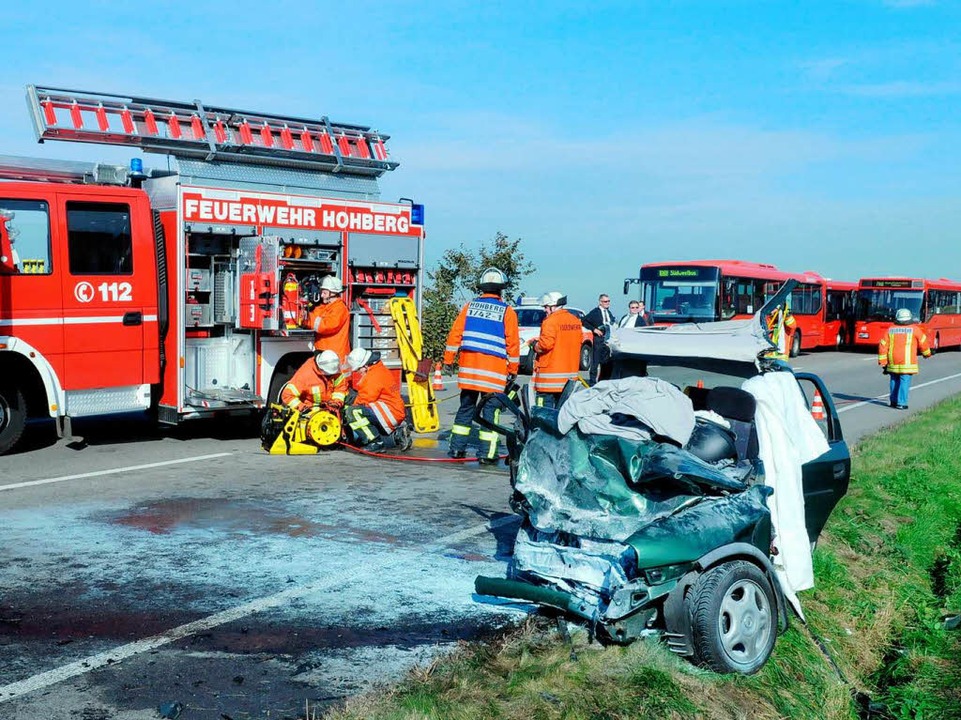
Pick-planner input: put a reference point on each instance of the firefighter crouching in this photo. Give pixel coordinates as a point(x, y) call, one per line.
point(309, 418)
point(330, 318)
point(898, 355)
point(376, 416)
point(318, 381)
point(486, 335)
point(557, 350)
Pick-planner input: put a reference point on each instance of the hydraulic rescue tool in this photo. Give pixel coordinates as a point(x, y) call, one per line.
point(286, 431)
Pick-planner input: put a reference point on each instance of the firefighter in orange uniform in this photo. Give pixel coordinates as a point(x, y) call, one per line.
point(487, 336)
point(318, 381)
point(376, 416)
point(330, 319)
point(781, 326)
point(898, 355)
point(558, 350)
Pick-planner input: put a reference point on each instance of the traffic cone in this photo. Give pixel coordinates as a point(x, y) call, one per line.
point(817, 406)
point(438, 379)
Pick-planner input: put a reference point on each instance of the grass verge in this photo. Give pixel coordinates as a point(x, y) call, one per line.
point(888, 570)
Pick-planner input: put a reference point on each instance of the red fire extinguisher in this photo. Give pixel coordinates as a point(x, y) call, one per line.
point(290, 302)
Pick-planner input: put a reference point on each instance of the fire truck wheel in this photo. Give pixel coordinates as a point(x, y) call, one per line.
point(13, 416)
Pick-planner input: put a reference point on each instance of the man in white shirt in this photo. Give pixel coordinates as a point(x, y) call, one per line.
point(636, 315)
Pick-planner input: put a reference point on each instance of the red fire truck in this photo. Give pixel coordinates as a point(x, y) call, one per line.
point(181, 290)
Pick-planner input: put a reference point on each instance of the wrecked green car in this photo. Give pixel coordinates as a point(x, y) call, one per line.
point(682, 498)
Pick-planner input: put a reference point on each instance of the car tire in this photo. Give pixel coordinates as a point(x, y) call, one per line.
point(585, 361)
point(733, 618)
point(13, 416)
point(796, 344)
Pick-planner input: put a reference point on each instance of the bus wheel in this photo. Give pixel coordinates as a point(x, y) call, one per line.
point(796, 344)
point(13, 416)
point(839, 341)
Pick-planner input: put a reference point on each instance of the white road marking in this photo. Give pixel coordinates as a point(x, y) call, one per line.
point(114, 471)
point(886, 395)
point(360, 573)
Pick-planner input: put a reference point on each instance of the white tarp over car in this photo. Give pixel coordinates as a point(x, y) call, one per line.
point(735, 340)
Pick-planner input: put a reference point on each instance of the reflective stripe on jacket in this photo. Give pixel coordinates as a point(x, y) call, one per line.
point(309, 385)
point(380, 391)
point(558, 351)
point(331, 326)
point(898, 350)
point(480, 370)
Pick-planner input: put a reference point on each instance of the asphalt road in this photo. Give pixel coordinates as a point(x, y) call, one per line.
point(143, 568)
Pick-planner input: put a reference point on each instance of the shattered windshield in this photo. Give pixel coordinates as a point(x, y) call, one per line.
point(882, 304)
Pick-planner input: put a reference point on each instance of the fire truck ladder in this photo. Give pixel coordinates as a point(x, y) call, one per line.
point(423, 404)
point(193, 130)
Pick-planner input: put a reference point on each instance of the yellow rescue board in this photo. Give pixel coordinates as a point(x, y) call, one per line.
point(423, 404)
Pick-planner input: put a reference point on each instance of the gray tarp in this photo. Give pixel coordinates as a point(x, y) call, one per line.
point(631, 408)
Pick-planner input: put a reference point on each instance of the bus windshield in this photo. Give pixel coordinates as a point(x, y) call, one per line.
point(882, 304)
point(681, 294)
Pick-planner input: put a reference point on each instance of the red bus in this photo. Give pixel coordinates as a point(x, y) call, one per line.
point(936, 304)
point(713, 290)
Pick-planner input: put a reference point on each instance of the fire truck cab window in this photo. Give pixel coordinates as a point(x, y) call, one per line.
point(99, 238)
point(28, 232)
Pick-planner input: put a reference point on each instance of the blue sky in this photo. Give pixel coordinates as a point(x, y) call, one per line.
point(813, 135)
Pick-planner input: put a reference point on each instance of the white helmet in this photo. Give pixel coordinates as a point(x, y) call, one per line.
point(492, 280)
point(553, 299)
point(332, 283)
point(359, 357)
point(903, 316)
point(328, 362)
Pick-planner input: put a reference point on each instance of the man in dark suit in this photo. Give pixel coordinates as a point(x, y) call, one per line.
point(599, 321)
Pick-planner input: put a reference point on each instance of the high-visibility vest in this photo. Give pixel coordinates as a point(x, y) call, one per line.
point(558, 351)
point(483, 371)
point(898, 350)
point(484, 327)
